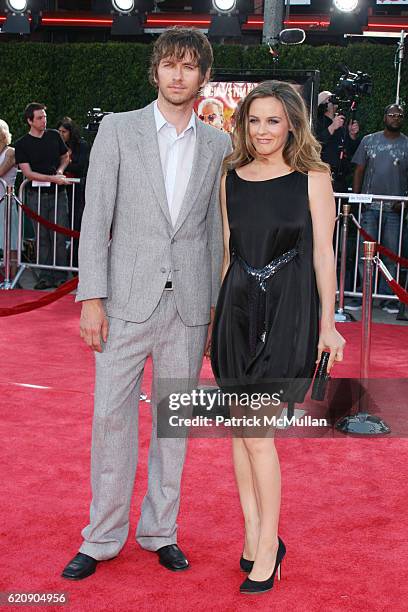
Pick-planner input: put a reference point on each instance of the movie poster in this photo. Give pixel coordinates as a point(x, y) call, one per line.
point(219, 102)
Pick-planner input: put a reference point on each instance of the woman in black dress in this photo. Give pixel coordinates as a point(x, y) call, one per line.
point(278, 220)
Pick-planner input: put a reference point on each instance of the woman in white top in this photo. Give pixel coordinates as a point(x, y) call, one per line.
point(8, 173)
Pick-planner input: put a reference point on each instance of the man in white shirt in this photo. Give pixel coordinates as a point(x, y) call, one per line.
point(153, 184)
point(176, 156)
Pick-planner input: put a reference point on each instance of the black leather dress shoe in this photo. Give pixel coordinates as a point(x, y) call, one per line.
point(81, 566)
point(172, 557)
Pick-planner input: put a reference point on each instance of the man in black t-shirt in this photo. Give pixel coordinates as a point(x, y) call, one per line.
point(43, 156)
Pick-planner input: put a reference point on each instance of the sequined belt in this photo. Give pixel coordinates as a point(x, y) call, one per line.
point(257, 294)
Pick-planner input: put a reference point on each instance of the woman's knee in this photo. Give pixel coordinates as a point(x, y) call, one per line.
point(258, 446)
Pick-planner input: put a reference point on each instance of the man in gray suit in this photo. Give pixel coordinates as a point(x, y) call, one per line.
point(153, 184)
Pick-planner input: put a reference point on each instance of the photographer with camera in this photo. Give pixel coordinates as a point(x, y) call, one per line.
point(339, 141)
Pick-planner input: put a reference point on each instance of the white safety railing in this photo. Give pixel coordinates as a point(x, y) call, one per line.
point(69, 242)
point(356, 206)
point(349, 208)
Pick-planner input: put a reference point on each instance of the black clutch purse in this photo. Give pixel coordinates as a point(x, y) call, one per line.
point(321, 378)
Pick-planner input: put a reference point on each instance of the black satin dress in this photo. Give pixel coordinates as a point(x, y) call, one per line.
point(262, 335)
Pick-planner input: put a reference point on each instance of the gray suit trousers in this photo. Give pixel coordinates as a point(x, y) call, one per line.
point(177, 352)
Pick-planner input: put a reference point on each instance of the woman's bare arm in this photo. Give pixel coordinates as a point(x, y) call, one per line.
point(225, 228)
point(322, 208)
point(8, 163)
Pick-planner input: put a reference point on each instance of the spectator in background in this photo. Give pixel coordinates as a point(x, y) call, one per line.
point(8, 173)
point(78, 150)
point(43, 156)
point(338, 141)
point(382, 169)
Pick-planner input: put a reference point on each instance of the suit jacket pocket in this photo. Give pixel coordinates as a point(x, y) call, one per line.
point(120, 273)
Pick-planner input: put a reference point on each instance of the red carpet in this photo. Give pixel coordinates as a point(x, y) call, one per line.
point(344, 500)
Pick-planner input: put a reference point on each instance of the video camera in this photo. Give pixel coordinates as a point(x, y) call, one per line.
point(350, 88)
point(95, 117)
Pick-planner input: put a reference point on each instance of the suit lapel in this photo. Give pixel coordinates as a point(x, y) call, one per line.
point(149, 151)
point(201, 161)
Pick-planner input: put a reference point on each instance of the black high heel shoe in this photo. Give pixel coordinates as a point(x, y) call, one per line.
point(261, 586)
point(246, 565)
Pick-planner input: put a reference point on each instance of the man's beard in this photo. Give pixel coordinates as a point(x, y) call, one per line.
point(393, 128)
point(179, 101)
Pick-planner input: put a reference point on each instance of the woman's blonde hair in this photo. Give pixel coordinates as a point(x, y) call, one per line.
point(301, 152)
point(5, 136)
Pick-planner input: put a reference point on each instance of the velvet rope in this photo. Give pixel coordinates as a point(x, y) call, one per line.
point(402, 261)
point(48, 298)
point(398, 290)
point(48, 224)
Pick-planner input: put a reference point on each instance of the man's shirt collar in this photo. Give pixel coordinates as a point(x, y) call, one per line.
point(160, 120)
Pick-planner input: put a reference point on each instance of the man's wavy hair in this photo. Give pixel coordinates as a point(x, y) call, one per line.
point(31, 108)
point(176, 42)
point(301, 151)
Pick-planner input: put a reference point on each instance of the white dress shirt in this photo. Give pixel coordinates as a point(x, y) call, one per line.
point(176, 156)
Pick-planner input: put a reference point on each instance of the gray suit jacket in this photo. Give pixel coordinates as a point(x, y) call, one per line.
point(126, 195)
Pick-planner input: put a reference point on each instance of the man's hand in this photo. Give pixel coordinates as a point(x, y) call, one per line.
point(337, 123)
point(207, 349)
point(353, 129)
point(59, 179)
point(93, 324)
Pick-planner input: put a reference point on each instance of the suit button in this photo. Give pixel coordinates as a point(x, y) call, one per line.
point(163, 270)
point(173, 240)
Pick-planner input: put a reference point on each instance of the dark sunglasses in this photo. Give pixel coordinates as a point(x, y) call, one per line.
point(210, 118)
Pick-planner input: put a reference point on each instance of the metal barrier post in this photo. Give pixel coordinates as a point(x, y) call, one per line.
point(5, 251)
point(9, 198)
point(21, 267)
point(341, 316)
point(8, 201)
point(369, 252)
point(364, 423)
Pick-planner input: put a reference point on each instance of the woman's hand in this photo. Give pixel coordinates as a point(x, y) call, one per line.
point(207, 349)
point(331, 340)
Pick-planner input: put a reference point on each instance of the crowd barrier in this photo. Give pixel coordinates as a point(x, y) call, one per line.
point(30, 252)
point(362, 423)
point(349, 211)
point(50, 231)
